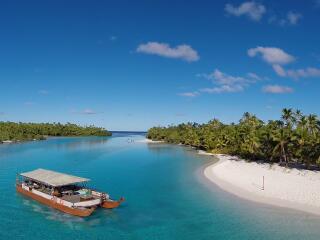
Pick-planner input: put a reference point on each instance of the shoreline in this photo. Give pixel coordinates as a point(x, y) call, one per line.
point(292, 189)
point(286, 188)
point(12, 142)
point(147, 140)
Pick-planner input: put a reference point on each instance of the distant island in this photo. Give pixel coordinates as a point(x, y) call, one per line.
point(295, 138)
point(15, 132)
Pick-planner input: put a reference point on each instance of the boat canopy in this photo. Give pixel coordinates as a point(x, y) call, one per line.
point(51, 178)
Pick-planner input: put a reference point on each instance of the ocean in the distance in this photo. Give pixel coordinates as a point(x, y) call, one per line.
point(166, 196)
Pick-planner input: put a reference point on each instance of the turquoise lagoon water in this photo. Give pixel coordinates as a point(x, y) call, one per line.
point(167, 197)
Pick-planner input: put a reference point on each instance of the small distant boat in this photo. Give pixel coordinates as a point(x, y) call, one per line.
point(63, 192)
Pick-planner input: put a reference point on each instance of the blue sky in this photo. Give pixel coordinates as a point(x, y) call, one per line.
point(130, 66)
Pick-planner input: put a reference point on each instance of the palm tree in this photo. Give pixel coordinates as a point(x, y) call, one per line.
point(280, 137)
point(313, 124)
point(288, 116)
point(296, 137)
point(298, 115)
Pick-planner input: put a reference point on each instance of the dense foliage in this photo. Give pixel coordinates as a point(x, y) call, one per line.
point(294, 138)
point(29, 131)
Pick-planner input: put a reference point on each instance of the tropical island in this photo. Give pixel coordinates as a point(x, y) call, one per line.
point(275, 162)
point(295, 138)
point(15, 132)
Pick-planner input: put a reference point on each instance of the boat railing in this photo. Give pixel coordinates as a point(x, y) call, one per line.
point(90, 195)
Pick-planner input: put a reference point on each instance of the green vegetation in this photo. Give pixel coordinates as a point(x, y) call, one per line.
point(29, 131)
point(293, 139)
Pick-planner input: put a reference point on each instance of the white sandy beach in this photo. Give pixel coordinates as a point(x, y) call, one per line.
point(291, 188)
point(146, 140)
point(201, 152)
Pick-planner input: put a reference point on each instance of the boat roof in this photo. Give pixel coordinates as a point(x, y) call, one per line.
point(53, 178)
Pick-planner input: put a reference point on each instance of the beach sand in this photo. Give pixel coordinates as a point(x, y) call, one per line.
point(146, 140)
point(201, 152)
point(290, 188)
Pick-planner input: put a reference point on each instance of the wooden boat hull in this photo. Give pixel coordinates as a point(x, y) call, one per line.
point(109, 204)
point(69, 210)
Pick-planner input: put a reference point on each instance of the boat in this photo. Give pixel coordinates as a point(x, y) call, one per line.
point(63, 192)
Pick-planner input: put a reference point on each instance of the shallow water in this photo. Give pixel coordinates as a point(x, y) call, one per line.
point(166, 195)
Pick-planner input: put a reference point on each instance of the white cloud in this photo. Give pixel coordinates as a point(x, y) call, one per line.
point(86, 111)
point(279, 70)
point(225, 79)
point(184, 52)
point(271, 55)
point(304, 73)
point(293, 17)
point(227, 83)
point(277, 89)
point(189, 94)
point(251, 9)
point(297, 73)
point(278, 57)
point(221, 78)
point(223, 89)
point(254, 76)
point(224, 83)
